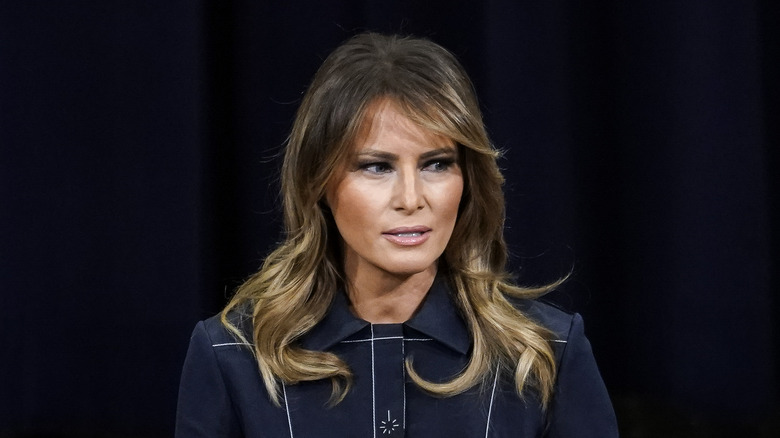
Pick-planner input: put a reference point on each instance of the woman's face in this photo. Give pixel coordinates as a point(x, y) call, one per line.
point(395, 201)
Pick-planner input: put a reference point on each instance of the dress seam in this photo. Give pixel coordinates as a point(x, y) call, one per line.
point(287, 409)
point(490, 408)
point(373, 384)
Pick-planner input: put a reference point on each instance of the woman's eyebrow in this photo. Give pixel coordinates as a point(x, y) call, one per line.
point(443, 151)
point(382, 155)
point(387, 156)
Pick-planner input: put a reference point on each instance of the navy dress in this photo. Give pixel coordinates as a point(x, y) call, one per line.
point(222, 393)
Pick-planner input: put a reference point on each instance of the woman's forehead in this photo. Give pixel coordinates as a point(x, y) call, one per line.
point(386, 115)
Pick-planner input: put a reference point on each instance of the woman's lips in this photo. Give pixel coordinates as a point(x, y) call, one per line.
point(408, 236)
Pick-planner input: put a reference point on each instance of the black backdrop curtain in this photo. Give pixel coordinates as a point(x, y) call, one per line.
point(140, 142)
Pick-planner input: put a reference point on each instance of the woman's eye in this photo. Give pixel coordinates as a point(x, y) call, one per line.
point(376, 167)
point(438, 165)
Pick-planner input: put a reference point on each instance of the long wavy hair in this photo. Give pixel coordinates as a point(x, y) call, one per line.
point(297, 282)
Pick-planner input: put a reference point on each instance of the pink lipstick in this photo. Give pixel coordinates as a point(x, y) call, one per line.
point(408, 236)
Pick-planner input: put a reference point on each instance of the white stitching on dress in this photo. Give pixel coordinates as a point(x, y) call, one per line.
point(382, 339)
point(373, 385)
point(490, 409)
point(228, 344)
point(287, 408)
point(372, 339)
point(403, 380)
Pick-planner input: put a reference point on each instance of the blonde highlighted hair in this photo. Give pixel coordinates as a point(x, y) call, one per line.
point(296, 284)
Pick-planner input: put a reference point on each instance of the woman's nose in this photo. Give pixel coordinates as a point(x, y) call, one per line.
point(408, 192)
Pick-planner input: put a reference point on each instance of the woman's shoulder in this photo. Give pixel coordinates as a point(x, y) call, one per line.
point(219, 334)
point(567, 327)
point(547, 314)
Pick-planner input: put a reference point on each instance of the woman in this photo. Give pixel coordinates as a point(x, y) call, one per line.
point(386, 311)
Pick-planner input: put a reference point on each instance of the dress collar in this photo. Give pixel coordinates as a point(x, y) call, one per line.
point(438, 318)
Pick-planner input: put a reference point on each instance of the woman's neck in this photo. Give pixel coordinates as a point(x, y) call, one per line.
point(387, 299)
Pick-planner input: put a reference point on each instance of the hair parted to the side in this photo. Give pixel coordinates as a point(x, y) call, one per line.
point(297, 282)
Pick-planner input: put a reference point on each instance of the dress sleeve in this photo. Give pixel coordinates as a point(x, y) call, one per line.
point(204, 408)
point(581, 407)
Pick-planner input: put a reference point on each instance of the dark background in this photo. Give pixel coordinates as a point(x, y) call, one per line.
point(140, 142)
